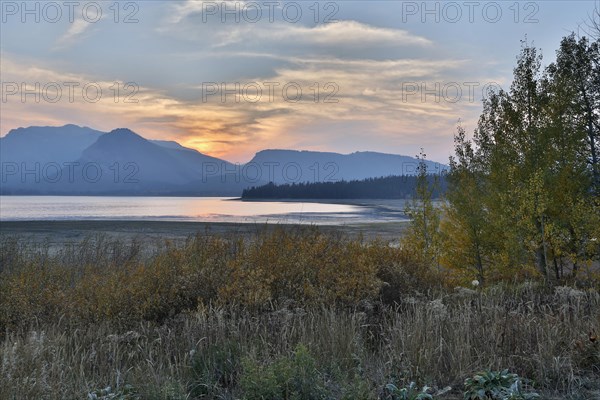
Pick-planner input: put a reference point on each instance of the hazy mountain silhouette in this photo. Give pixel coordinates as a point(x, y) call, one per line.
point(45, 144)
point(155, 164)
point(330, 167)
point(80, 160)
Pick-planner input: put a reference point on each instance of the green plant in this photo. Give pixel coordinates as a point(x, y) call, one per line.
point(128, 392)
point(293, 378)
point(214, 369)
point(497, 385)
point(410, 392)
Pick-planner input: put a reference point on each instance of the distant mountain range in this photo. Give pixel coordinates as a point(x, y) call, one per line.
point(74, 160)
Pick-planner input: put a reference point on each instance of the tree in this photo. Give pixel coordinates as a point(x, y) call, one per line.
point(593, 23)
point(424, 232)
point(521, 192)
point(465, 215)
point(576, 84)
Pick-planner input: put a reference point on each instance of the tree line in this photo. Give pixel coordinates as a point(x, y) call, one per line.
point(389, 187)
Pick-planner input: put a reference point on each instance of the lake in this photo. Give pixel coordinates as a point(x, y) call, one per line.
point(198, 209)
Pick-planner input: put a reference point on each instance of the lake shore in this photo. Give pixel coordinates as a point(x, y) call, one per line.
point(61, 232)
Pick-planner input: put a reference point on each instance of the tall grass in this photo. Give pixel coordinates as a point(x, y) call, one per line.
point(286, 314)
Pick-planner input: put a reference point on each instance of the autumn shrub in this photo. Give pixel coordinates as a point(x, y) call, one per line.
point(402, 272)
point(105, 280)
point(307, 267)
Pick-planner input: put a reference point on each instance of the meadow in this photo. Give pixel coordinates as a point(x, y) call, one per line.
point(287, 313)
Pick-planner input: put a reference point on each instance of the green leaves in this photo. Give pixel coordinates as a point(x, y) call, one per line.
point(293, 378)
point(497, 385)
point(410, 392)
point(424, 232)
point(516, 189)
point(127, 392)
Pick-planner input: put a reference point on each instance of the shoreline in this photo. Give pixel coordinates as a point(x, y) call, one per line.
point(59, 232)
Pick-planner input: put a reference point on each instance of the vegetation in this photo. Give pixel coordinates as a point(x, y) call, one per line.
point(411, 392)
point(423, 236)
point(276, 316)
point(523, 193)
point(499, 385)
point(390, 187)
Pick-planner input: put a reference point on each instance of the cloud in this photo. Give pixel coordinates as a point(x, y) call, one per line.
point(341, 33)
point(181, 11)
point(75, 32)
point(276, 31)
point(285, 35)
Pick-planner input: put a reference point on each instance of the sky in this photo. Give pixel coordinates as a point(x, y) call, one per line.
point(232, 78)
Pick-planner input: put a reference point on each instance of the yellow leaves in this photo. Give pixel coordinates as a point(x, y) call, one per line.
point(309, 268)
point(304, 266)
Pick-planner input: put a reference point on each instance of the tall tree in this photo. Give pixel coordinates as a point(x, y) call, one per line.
point(522, 190)
point(424, 232)
point(465, 214)
point(576, 78)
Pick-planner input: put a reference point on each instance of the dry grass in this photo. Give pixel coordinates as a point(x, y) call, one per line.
point(189, 322)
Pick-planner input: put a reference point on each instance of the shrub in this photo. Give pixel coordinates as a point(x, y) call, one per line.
point(128, 392)
point(305, 266)
point(288, 378)
point(101, 280)
point(490, 385)
point(410, 392)
point(214, 370)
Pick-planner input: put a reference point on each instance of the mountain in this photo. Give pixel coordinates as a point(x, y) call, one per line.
point(73, 160)
point(154, 164)
point(77, 160)
point(132, 164)
point(44, 144)
point(292, 166)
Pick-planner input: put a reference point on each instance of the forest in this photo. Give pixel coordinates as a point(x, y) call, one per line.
point(390, 187)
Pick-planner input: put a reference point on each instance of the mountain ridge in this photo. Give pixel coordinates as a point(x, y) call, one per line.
point(72, 159)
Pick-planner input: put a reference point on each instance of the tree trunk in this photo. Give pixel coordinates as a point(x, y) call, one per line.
point(541, 252)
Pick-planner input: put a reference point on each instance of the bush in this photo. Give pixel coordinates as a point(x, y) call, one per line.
point(288, 378)
point(102, 280)
point(128, 392)
point(214, 370)
point(501, 385)
point(410, 392)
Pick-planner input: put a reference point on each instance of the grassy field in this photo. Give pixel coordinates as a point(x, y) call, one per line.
point(276, 313)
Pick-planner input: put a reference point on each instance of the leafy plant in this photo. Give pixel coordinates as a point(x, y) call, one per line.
point(497, 385)
point(410, 392)
point(294, 377)
point(128, 392)
point(214, 369)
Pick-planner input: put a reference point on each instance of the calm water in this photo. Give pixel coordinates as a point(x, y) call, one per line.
point(212, 209)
